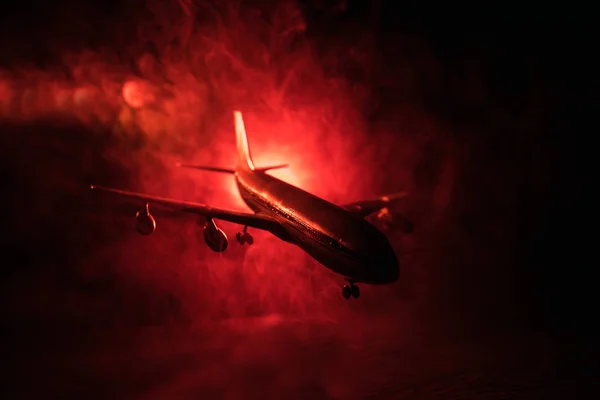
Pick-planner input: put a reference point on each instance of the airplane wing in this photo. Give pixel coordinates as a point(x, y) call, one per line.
point(247, 219)
point(364, 208)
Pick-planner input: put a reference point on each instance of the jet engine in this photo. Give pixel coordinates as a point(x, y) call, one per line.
point(215, 238)
point(391, 220)
point(145, 223)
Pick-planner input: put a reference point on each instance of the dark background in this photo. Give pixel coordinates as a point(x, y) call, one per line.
point(497, 294)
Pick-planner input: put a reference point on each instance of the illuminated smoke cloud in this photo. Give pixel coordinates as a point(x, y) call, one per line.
point(119, 96)
point(171, 99)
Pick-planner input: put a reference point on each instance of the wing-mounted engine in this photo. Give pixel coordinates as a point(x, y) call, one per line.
point(145, 223)
point(393, 221)
point(214, 237)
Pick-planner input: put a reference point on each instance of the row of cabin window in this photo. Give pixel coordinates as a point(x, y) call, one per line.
point(317, 235)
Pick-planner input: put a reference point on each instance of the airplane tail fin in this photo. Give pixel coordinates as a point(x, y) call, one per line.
point(244, 156)
point(243, 150)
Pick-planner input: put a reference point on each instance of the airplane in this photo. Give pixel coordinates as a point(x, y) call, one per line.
point(338, 237)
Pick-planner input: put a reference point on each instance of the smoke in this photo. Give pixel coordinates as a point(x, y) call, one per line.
point(170, 99)
point(156, 84)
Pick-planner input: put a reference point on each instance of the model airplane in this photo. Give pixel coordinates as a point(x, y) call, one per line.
point(339, 237)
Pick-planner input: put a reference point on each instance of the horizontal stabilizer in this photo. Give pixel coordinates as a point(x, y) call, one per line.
point(206, 168)
point(264, 169)
point(227, 170)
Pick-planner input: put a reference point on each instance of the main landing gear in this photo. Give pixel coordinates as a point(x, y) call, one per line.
point(244, 237)
point(350, 290)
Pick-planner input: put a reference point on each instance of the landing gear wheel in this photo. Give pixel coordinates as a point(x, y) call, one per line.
point(350, 290)
point(244, 237)
point(346, 292)
point(240, 238)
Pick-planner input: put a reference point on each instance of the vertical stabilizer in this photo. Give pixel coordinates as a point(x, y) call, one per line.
point(244, 157)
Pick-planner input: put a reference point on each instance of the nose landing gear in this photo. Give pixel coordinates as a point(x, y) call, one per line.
point(244, 237)
point(350, 290)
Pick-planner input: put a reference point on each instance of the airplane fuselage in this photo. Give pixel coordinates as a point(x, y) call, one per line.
point(332, 235)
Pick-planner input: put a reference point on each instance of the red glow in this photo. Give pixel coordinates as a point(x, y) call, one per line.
point(136, 94)
point(358, 107)
point(178, 108)
point(294, 114)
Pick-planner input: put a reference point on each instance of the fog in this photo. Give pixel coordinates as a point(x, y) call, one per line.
point(118, 95)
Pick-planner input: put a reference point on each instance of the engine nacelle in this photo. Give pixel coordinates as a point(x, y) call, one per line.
point(215, 238)
point(395, 221)
point(145, 223)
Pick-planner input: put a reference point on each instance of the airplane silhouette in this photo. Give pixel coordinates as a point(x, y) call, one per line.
point(338, 237)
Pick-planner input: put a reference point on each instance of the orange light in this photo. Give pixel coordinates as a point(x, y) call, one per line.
point(137, 94)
